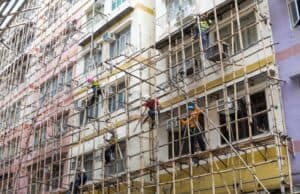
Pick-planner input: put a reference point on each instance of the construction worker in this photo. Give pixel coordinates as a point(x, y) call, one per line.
point(192, 121)
point(80, 180)
point(95, 87)
point(110, 151)
point(152, 105)
point(204, 32)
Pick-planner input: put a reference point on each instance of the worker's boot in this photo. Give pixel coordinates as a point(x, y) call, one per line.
point(195, 160)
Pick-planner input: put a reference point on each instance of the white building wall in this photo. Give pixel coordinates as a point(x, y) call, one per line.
point(142, 36)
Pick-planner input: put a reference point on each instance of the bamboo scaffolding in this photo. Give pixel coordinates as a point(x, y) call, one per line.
point(56, 151)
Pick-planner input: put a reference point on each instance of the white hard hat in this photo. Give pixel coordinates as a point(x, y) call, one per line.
point(146, 97)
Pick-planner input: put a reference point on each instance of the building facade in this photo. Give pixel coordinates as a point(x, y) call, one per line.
point(286, 31)
point(76, 77)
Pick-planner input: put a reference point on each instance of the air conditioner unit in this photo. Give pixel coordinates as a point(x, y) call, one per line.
point(213, 53)
point(172, 124)
point(80, 104)
point(99, 4)
point(185, 20)
point(108, 37)
point(221, 105)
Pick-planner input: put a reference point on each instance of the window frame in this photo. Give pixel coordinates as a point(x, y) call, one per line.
point(2, 153)
point(293, 23)
point(56, 179)
point(117, 165)
point(40, 140)
point(115, 4)
point(98, 17)
point(192, 62)
point(91, 60)
point(122, 38)
point(243, 119)
point(114, 102)
point(233, 39)
point(61, 125)
point(89, 160)
point(13, 147)
point(86, 159)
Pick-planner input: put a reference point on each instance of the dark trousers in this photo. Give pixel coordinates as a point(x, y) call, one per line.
point(76, 189)
point(151, 114)
point(108, 154)
point(205, 39)
point(204, 35)
point(197, 137)
point(96, 93)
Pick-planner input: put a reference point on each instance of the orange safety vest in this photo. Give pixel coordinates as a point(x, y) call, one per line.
point(192, 120)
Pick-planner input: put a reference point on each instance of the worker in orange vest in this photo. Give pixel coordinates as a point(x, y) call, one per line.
point(192, 122)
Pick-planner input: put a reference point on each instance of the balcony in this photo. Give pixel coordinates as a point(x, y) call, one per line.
point(99, 28)
point(174, 16)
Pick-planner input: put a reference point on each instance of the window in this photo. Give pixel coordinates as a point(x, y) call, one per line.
point(35, 174)
point(121, 43)
point(56, 180)
point(52, 13)
point(91, 60)
point(116, 3)
point(69, 76)
point(1, 153)
point(43, 92)
point(39, 136)
point(61, 125)
point(7, 183)
point(53, 86)
point(17, 72)
point(294, 11)
point(61, 80)
point(73, 163)
point(47, 89)
point(177, 8)
point(2, 121)
point(192, 62)
point(87, 164)
point(116, 98)
point(13, 114)
point(90, 112)
point(94, 19)
point(235, 134)
point(13, 147)
point(248, 31)
point(49, 51)
point(117, 165)
point(260, 122)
